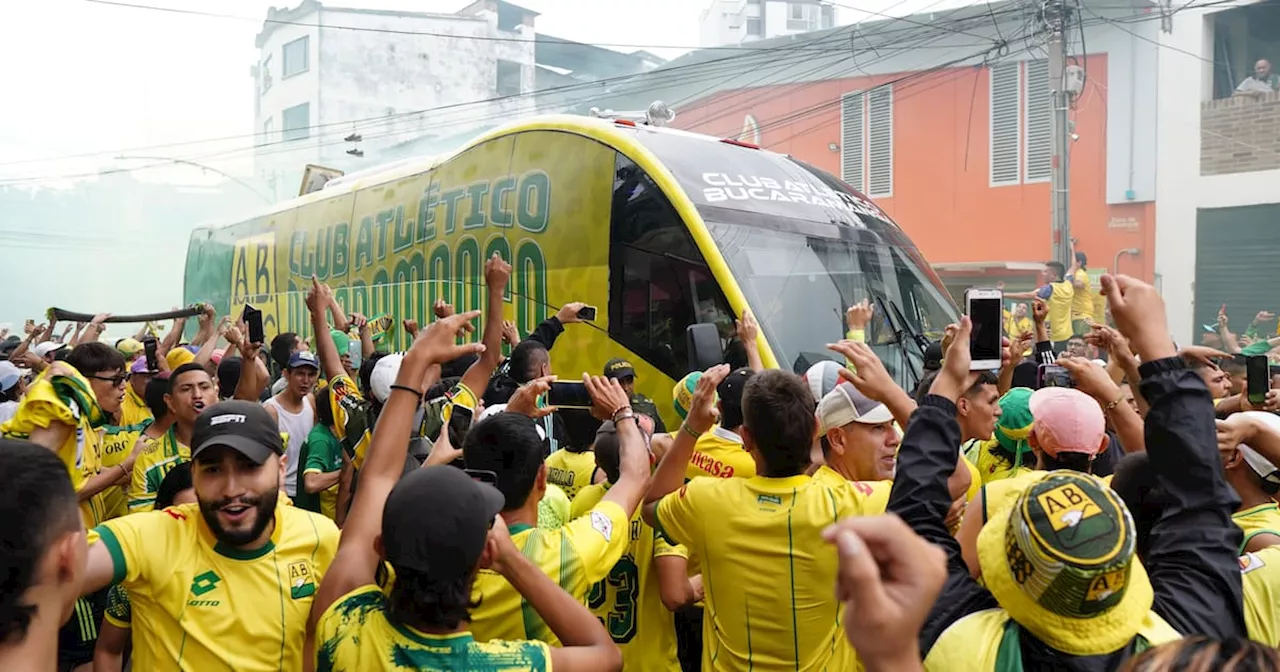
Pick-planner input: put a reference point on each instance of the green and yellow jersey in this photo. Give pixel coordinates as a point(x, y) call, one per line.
point(576, 556)
point(117, 443)
point(766, 571)
point(719, 453)
point(133, 410)
point(1260, 578)
point(571, 471)
point(67, 400)
point(156, 459)
point(872, 496)
point(354, 633)
point(629, 601)
point(1261, 519)
point(1081, 298)
point(200, 605)
point(321, 454)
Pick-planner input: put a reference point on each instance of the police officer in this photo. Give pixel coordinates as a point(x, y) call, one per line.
point(621, 370)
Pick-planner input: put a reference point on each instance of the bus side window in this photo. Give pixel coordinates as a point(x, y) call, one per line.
point(659, 283)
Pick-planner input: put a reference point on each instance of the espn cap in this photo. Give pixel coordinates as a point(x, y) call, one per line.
point(845, 404)
point(1067, 421)
point(436, 522)
point(303, 358)
point(618, 368)
point(242, 426)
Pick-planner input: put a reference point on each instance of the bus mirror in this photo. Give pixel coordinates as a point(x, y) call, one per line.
point(705, 350)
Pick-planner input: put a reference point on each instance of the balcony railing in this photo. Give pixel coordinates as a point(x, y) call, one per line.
point(1240, 134)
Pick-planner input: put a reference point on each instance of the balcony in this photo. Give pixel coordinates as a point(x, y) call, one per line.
point(1238, 135)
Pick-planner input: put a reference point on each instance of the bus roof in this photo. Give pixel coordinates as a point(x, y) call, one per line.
point(671, 146)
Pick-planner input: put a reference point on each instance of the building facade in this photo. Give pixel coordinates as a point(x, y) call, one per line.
point(1217, 238)
point(730, 22)
point(944, 121)
point(325, 73)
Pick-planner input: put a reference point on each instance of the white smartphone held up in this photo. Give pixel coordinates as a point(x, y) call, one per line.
point(986, 311)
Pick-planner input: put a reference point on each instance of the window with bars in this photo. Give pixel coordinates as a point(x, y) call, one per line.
point(880, 142)
point(852, 139)
point(1006, 130)
point(1039, 149)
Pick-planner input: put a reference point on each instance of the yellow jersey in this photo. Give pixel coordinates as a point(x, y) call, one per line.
point(70, 402)
point(117, 443)
point(576, 556)
point(629, 600)
point(1260, 578)
point(1082, 297)
point(133, 410)
point(1261, 519)
point(874, 494)
point(990, 461)
point(201, 606)
point(158, 457)
point(553, 510)
point(1060, 302)
point(720, 453)
point(354, 634)
point(571, 471)
point(767, 573)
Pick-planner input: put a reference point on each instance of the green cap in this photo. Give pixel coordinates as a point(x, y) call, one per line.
point(1014, 425)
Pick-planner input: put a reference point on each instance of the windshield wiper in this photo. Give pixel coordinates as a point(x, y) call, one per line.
point(899, 334)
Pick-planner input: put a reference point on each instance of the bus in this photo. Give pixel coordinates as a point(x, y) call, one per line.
point(659, 229)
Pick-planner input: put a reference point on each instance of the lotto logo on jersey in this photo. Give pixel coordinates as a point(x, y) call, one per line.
point(202, 585)
point(300, 582)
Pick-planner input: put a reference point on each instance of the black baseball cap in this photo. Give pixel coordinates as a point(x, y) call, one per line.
point(243, 426)
point(933, 356)
point(730, 390)
point(619, 368)
point(436, 522)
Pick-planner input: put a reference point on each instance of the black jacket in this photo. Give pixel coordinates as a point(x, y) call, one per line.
point(1192, 557)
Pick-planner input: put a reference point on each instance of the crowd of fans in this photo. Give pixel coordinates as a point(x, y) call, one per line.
point(1102, 501)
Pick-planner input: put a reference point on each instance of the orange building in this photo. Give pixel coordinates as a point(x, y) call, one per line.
point(959, 156)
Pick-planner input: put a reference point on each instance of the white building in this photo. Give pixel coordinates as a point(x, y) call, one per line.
point(730, 22)
point(1217, 240)
point(325, 73)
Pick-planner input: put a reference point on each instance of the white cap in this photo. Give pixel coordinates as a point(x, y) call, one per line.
point(384, 376)
point(9, 375)
point(1259, 464)
point(822, 378)
point(43, 349)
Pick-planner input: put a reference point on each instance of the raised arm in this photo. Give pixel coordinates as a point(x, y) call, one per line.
point(702, 416)
point(1192, 554)
point(920, 496)
point(497, 272)
point(357, 558)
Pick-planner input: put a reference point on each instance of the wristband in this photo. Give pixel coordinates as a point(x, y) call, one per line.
point(622, 414)
point(684, 427)
point(1112, 406)
point(410, 390)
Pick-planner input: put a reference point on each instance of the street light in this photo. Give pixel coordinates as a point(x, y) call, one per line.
point(201, 166)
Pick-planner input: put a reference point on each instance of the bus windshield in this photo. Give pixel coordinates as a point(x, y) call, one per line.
point(799, 286)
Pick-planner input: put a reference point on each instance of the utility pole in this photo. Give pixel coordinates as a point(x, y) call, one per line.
point(1056, 15)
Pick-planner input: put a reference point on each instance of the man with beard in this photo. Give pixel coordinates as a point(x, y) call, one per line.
point(191, 390)
point(227, 582)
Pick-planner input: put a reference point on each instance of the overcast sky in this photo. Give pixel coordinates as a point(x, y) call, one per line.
point(84, 77)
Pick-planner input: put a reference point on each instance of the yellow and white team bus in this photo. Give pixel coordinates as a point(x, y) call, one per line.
point(660, 229)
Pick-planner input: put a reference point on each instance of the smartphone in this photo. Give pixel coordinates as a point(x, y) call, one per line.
point(1258, 378)
point(587, 313)
point(985, 309)
point(1052, 375)
point(253, 318)
point(459, 422)
point(569, 395)
point(149, 345)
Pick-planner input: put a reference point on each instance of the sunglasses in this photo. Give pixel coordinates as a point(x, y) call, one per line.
point(116, 381)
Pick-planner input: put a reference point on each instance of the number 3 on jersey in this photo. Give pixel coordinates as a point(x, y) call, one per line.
point(620, 619)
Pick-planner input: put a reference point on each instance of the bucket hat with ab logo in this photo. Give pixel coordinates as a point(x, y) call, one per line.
point(1061, 562)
